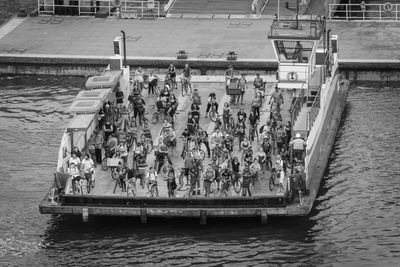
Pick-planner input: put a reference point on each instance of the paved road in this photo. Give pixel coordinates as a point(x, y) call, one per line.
point(201, 38)
point(212, 7)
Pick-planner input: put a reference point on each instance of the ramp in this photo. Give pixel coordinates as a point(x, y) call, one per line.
point(211, 7)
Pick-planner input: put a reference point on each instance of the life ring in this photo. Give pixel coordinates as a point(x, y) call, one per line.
point(292, 76)
point(388, 7)
point(117, 3)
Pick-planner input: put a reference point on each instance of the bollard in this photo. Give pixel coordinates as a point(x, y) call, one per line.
point(85, 215)
point(203, 217)
point(264, 216)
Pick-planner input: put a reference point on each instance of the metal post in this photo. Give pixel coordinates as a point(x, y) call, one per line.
point(124, 45)
point(142, 9)
point(297, 14)
point(54, 8)
point(279, 3)
point(380, 12)
point(79, 8)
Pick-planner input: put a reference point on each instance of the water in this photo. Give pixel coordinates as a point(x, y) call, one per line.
point(355, 221)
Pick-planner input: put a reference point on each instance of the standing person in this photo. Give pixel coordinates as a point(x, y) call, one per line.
point(88, 168)
point(121, 172)
point(204, 139)
point(152, 179)
point(153, 82)
point(229, 73)
point(298, 145)
point(288, 132)
point(172, 72)
point(119, 96)
point(187, 75)
point(280, 138)
point(258, 82)
point(277, 98)
point(246, 181)
point(209, 176)
point(212, 103)
point(242, 87)
point(138, 108)
point(298, 52)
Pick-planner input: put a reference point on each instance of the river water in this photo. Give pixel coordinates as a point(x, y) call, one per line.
point(355, 221)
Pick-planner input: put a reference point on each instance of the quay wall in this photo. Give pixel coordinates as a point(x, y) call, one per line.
point(352, 70)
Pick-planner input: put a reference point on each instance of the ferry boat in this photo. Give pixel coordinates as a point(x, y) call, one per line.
point(313, 94)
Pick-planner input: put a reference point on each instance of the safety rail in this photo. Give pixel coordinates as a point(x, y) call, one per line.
point(362, 11)
point(135, 9)
point(295, 108)
point(314, 110)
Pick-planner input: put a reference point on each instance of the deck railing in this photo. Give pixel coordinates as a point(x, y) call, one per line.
point(295, 108)
point(314, 110)
point(128, 8)
point(384, 11)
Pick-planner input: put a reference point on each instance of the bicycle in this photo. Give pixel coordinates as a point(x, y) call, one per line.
point(274, 179)
point(211, 189)
point(213, 114)
point(131, 187)
point(77, 187)
point(153, 192)
point(225, 188)
point(185, 85)
point(236, 183)
point(172, 85)
point(160, 115)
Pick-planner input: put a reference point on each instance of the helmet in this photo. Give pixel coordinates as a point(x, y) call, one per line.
point(167, 86)
point(298, 135)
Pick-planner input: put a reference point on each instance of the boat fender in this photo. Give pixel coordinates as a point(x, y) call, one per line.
point(117, 3)
point(388, 7)
point(64, 152)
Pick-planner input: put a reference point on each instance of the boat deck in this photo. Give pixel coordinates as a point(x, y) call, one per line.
point(105, 184)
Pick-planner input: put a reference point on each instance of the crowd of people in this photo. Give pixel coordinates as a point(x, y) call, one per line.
point(262, 149)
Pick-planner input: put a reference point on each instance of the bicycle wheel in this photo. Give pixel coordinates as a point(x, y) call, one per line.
point(155, 118)
point(271, 183)
point(164, 170)
point(88, 185)
point(228, 128)
point(154, 191)
point(114, 174)
point(202, 154)
point(149, 147)
point(237, 185)
point(213, 115)
point(104, 166)
point(183, 89)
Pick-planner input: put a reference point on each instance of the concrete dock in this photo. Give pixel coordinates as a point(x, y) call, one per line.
point(79, 42)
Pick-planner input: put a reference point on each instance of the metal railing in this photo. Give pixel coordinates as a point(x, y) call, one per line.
point(128, 8)
point(384, 11)
point(295, 108)
point(314, 110)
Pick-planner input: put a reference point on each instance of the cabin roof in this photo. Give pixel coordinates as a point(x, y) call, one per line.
point(80, 122)
point(302, 30)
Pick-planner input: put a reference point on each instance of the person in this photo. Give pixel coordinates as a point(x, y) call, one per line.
point(258, 82)
point(246, 181)
point(172, 139)
point(242, 87)
point(123, 151)
point(194, 175)
point(253, 119)
point(245, 144)
point(241, 132)
point(153, 83)
point(255, 169)
point(152, 179)
point(298, 145)
point(112, 144)
point(241, 116)
point(139, 108)
point(187, 75)
point(266, 147)
point(77, 152)
point(235, 167)
point(229, 73)
point(121, 173)
point(298, 52)
point(203, 135)
point(172, 72)
point(226, 181)
point(280, 169)
point(209, 176)
point(226, 113)
point(261, 158)
point(216, 137)
point(119, 96)
point(255, 106)
point(108, 129)
point(138, 76)
point(196, 99)
point(280, 138)
point(171, 182)
point(277, 98)
point(212, 104)
point(288, 132)
point(297, 180)
point(228, 142)
point(73, 171)
point(74, 159)
point(108, 113)
point(98, 143)
point(88, 168)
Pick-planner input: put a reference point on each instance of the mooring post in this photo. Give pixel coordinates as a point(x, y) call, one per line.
point(143, 216)
point(264, 216)
point(203, 217)
point(85, 215)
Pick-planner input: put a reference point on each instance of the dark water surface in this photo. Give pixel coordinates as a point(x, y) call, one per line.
point(355, 222)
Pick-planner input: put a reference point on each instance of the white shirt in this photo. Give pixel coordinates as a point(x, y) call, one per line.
point(74, 172)
point(76, 160)
point(152, 176)
point(87, 165)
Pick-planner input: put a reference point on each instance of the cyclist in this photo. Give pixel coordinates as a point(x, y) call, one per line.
point(138, 77)
point(226, 181)
point(195, 112)
point(298, 145)
point(277, 99)
point(212, 103)
point(194, 175)
point(121, 173)
point(196, 99)
point(123, 150)
point(138, 108)
point(266, 146)
point(187, 75)
point(171, 73)
point(153, 82)
point(161, 156)
point(242, 116)
point(216, 137)
point(280, 138)
point(248, 156)
point(203, 138)
point(261, 158)
point(209, 176)
point(241, 132)
point(246, 181)
point(152, 179)
point(280, 169)
point(255, 106)
point(171, 182)
point(191, 124)
point(226, 113)
point(228, 144)
point(258, 82)
point(255, 169)
point(75, 174)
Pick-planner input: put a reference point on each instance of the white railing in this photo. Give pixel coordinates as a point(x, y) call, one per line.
point(384, 11)
point(128, 8)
